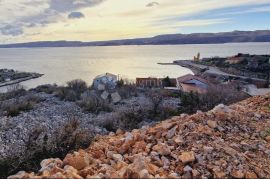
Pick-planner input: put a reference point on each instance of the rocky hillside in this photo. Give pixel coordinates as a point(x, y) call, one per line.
point(229, 141)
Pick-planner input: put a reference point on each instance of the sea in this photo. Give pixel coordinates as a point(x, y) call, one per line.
point(60, 65)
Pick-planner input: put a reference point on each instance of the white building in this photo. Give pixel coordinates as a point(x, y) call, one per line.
point(105, 81)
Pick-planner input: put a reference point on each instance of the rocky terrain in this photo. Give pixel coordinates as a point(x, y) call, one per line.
point(51, 114)
point(228, 141)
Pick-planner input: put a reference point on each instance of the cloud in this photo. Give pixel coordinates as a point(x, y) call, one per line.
point(76, 15)
point(248, 11)
point(11, 30)
point(70, 5)
point(152, 4)
point(44, 12)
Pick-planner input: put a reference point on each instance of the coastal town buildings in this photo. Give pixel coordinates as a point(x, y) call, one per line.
point(191, 83)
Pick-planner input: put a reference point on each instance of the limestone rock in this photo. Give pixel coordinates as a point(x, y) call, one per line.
point(250, 175)
point(116, 97)
point(162, 149)
point(187, 157)
point(78, 160)
point(237, 174)
point(212, 124)
point(117, 157)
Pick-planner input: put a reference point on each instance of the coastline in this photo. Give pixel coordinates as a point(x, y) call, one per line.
point(167, 63)
point(33, 76)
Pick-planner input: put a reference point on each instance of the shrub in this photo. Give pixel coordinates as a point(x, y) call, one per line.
point(49, 89)
point(120, 83)
point(127, 119)
point(79, 86)
point(110, 122)
point(13, 91)
point(131, 118)
point(93, 103)
point(73, 90)
point(156, 97)
point(216, 94)
point(38, 147)
point(66, 94)
point(189, 102)
point(15, 107)
point(127, 91)
point(166, 82)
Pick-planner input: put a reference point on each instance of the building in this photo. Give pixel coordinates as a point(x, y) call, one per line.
point(149, 82)
point(191, 83)
point(105, 81)
point(155, 82)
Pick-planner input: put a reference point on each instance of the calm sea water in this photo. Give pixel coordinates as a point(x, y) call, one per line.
point(60, 65)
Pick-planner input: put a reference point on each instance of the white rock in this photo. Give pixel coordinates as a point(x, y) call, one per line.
point(117, 157)
point(187, 168)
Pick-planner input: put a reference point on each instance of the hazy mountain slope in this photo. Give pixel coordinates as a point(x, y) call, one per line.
point(172, 39)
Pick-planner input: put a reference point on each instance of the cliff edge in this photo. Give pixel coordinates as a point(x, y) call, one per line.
point(228, 141)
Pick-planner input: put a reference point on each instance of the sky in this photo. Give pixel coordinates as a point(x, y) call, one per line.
point(95, 20)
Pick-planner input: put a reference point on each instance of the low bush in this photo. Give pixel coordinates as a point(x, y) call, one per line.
point(38, 147)
point(216, 94)
point(15, 107)
point(73, 90)
point(156, 98)
point(78, 86)
point(49, 89)
point(66, 94)
point(127, 119)
point(13, 91)
point(127, 91)
point(131, 118)
point(92, 103)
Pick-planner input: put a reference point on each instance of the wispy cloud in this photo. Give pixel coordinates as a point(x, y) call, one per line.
point(248, 11)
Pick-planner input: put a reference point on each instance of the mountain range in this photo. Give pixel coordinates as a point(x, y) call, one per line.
point(168, 39)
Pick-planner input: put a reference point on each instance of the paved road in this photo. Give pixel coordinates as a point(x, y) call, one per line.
point(211, 70)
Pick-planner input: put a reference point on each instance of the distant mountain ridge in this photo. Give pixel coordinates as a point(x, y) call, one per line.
point(169, 39)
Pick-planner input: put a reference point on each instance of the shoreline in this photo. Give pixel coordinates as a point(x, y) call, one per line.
point(167, 63)
point(33, 76)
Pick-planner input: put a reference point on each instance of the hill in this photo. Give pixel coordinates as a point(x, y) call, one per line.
point(228, 141)
point(171, 39)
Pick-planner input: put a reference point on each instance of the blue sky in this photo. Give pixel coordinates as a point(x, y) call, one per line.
point(91, 20)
